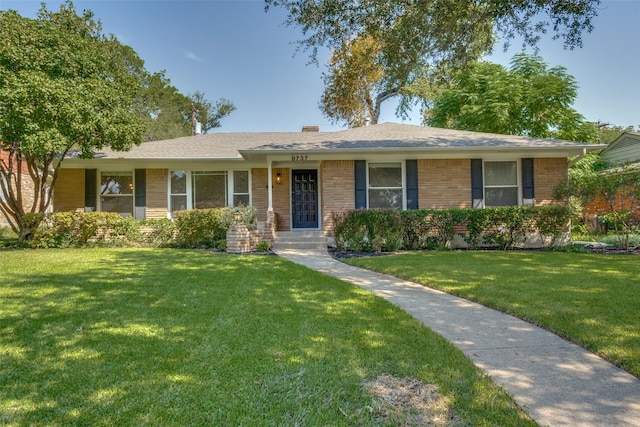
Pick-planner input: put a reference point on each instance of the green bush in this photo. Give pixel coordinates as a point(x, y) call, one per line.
point(207, 228)
point(76, 229)
point(263, 246)
point(378, 230)
point(504, 228)
point(157, 231)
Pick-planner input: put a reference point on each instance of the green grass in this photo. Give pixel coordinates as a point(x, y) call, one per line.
point(593, 300)
point(167, 337)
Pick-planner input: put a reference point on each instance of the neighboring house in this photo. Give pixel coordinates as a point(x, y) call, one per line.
point(624, 150)
point(27, 188)
point(302, 177)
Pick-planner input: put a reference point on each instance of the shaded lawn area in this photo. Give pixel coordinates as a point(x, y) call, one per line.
point(169, 337)
point(591, 299)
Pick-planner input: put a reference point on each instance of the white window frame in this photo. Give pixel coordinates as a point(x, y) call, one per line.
point(189, 186)
point(403, 180)
point(517, 186)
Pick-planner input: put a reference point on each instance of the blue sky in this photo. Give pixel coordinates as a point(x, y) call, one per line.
point(234, 50)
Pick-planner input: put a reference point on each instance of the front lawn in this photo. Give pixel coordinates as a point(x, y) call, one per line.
point(167, 337)
point(593, 300)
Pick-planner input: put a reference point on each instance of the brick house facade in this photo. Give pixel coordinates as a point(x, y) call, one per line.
point(304, 177)
point(27, 188)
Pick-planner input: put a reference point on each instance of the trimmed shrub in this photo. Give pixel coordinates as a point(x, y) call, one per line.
point(375, 230)
point(503, 228)
point(75, 229)
point(207, 228)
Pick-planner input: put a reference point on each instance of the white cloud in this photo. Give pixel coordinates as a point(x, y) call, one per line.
point(192, 56)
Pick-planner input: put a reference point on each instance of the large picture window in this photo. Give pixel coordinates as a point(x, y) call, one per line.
point(116, 192)
point(385, 185)
point(207, 189)
point(501, 184)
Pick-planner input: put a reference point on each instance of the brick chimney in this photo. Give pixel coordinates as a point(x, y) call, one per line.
point(310, 128)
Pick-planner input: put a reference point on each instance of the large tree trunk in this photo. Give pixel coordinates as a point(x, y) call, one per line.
point(383, 96)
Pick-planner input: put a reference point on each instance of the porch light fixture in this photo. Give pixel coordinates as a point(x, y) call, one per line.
point(237, 216)
point(278, 178)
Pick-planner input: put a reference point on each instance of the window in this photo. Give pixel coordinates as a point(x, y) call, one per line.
point(116, 192)
point(385, 185)
point(241, 188)
point(207, 189)
point(178, 198)
point(501, 184)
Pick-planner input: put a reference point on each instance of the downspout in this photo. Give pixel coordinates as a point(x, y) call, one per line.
point(578, 158)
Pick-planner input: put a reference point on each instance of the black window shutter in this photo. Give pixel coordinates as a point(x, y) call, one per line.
point(477, 186)
point(90, 189)
point(411, 170)
point(140, 188)
point(528, 195)
point(360, 171)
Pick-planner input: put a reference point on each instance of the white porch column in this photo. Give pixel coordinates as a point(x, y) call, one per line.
point(270, 186)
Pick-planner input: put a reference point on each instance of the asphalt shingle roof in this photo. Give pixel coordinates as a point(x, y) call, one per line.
point(376, 137)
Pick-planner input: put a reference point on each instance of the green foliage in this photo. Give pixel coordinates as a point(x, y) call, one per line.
point(368, 230)
point(528, 99)
point(617, 187)
point(77, 229)
point(198, 228)
point(263, 246)
point(208, 227)
point(503, 228)
point(420, 37)
point(64, 86)
point(158, 231)
point(168, 114)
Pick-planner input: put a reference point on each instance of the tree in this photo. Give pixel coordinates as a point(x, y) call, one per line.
point(353, 91)
point(208, 114)
point(63, 86)
point(436, 35)
point(617, 186)
point(167, 113)
point(527, 99)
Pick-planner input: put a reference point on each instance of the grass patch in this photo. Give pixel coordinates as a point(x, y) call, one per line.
point(593, 300)
point(169, 337)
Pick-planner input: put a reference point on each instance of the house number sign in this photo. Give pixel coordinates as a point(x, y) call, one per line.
point(299, 158)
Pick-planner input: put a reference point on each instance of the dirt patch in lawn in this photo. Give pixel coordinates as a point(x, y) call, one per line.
point(409, 402)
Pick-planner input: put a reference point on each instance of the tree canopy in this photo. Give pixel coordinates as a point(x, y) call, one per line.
point(63, 85)
point(167, 113)
point(416, 38)
point(529, 99)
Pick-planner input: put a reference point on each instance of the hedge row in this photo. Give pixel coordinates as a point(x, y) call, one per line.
point(503, 228)
point(198, 228)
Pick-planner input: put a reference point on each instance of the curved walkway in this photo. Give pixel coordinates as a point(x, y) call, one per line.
point(558, 383)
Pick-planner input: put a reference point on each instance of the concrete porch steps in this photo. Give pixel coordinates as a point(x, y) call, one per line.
point(300, 240)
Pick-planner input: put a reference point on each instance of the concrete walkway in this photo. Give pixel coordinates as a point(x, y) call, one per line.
point(556, 382)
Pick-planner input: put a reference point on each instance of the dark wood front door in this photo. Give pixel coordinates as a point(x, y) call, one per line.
point(304, 196)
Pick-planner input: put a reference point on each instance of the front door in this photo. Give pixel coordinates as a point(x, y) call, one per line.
point(304, 196)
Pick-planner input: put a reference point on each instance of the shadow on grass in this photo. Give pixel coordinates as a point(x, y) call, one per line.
point(168, 337)
point(590, 299)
